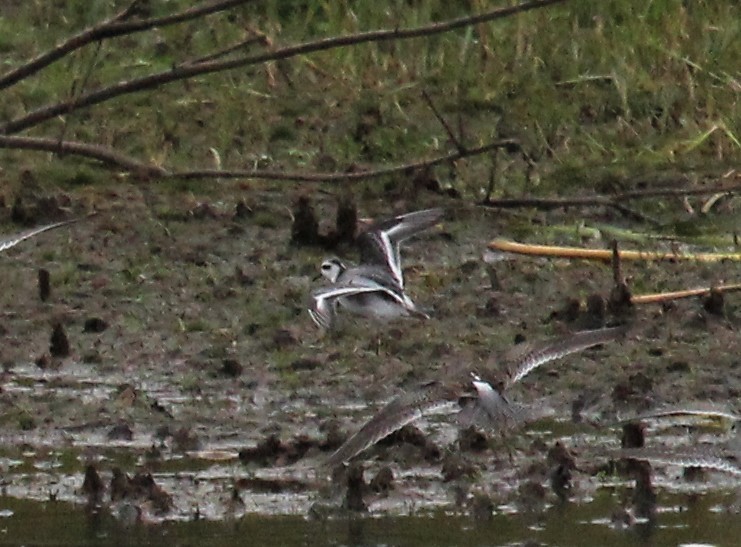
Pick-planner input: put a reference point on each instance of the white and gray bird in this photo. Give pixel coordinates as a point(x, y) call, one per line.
point(489, 406)
point(374, 288)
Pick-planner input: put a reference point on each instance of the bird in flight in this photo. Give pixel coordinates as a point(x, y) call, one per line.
point(490, 406)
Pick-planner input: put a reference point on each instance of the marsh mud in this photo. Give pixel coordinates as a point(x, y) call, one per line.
point(197, 399)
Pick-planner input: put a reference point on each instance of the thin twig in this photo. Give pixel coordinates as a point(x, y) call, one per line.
point(555, 203)
point(110, 28)
point(629, 212)
point(78, 85)
point(492, 175)
point(184, 72)
point(665, 191)
point(258, 39)
point(458, 144)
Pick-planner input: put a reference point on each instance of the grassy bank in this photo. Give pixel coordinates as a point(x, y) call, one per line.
point(597, 93)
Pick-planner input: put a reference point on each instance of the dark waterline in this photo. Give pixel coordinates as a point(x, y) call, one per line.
point(681, 519)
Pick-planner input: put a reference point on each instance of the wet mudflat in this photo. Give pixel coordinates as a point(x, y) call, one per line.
point(195, 373)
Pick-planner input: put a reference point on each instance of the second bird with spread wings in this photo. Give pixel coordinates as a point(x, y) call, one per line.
point(490, 407)
point(374, 288)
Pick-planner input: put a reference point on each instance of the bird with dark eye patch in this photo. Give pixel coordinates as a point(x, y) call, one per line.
point(374, 288)
point(487, 407)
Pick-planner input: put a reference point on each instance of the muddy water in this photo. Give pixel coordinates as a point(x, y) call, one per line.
point(682, 520)
point(217, 500)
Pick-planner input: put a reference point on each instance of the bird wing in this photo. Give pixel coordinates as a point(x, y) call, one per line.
point(401, 411)
point(524, 359)
point(709, 457)
point(379, 245)
point(15, 239)
point(691, 412)
point(321, 306)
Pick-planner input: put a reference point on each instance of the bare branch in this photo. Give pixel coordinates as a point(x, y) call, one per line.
point(345, 177)
point(127, 163)
point(100, 153)
point(547, 204)
point(614, 201)
point(188, 71)
point(110, 28)
point(667, 192)
point(611, 200)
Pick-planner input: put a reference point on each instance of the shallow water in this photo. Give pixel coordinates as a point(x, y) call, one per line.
point(680, 520)
point(47, 463)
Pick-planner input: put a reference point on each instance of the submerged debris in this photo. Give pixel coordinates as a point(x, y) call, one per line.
point(305, 227)
point(412, 435)
point(355, 486)
point(242, 210)
point(714, 303)
point(120, 432)
point(347, 221)
point(471, 439)
point(231, 368)
point(272, 451)
point(59, 345)
point(482, 507)
point(633, 435)
point(456, 467)
point(383, 481)
point(562, 463)
point(44, 284)
point(92, 486)
point(144, 487)
point(95, 324)
point(635, 390)
point(184, 440)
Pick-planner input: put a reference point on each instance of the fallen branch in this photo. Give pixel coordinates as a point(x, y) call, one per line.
point(185, 71)
point(142, 169)
point(505, 246)
point(93, 151)
point(687, 293)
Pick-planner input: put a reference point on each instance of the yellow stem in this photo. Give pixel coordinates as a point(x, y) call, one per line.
point(506, 246)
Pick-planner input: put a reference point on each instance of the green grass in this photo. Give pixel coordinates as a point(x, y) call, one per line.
point(620, 86)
